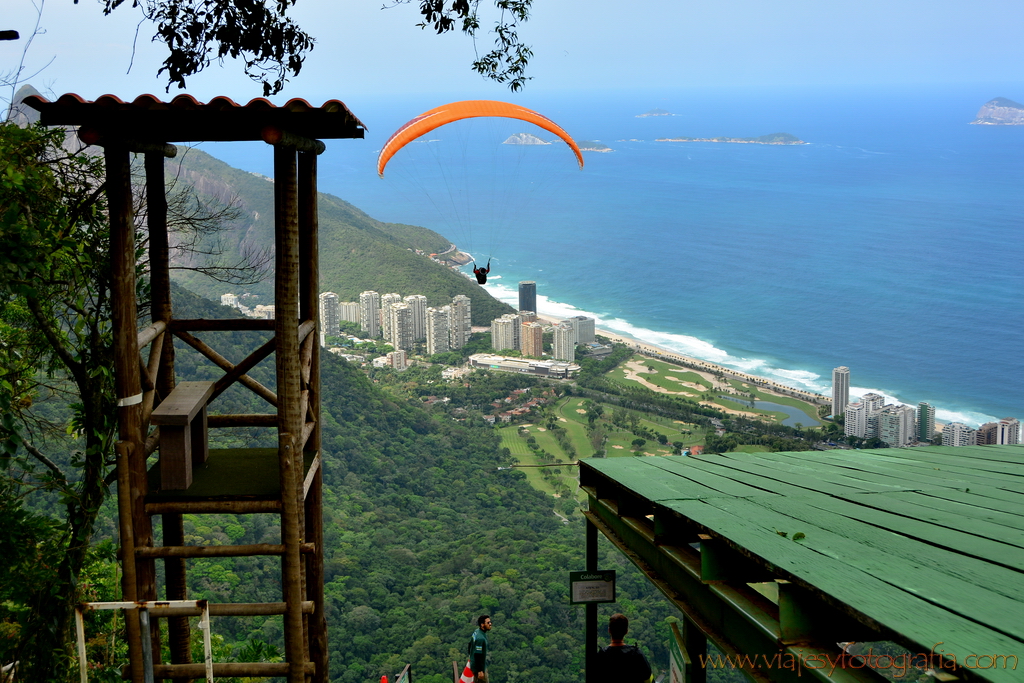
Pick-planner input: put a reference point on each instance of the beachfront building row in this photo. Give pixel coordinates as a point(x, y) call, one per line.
point(1004, 432)
point(401, 321)
point(543, 368)
point(521, 332)
point(896, 425)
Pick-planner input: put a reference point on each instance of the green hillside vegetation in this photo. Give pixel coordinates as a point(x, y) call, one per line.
point(357, 252)
point(423, 532)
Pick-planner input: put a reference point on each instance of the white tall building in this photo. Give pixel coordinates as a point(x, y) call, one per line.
point(958, 434)
point(564, 346)
point(437, 330)
point(418, 304)
point(505, 332)
point(229, 300)
point(386, 302)
point(862, 416)
point(460, 321)
point(856, 420)
point(369, 313)
point(840, 389)
point(896, 425)
point(349, 311)
point(399, 325)
point(328, 316)
point(1008, 431)
point(584, 327)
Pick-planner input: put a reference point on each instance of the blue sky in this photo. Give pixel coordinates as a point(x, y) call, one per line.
point(365, 50)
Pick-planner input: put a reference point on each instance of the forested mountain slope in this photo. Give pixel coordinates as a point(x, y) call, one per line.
point(357, 252)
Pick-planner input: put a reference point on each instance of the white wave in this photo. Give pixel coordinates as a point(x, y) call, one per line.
point(805, 380)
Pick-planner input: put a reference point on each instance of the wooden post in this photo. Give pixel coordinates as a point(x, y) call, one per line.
point(309, 309)
point(127, 381)
point(290, 418)
point(161, 310)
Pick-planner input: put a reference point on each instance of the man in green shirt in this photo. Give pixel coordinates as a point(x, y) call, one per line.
point(478, 649)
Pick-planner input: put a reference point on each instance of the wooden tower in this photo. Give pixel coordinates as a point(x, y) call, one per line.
point(158, 415)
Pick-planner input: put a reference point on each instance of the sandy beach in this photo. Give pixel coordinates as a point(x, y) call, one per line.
point(702, 367)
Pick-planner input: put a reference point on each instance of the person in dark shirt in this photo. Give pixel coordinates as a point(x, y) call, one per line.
point(621, 663)
point(478, 649)
point(481, 273)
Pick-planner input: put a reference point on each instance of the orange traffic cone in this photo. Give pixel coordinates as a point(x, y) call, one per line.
point(467, 675)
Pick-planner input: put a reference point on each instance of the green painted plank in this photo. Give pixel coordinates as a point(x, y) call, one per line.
point(921, 623)
point(778, 474)
point(912, 467)
point(966, 599)
point(759, 477)
point(996, 499)
point(925, 475)
point(957, 567)
point(961, 457)
point(680, 466)
point(898, 504)
point(1010, 516)
point(829, 472)
point(943, 537)
point(1001, 453)
point(647, 481)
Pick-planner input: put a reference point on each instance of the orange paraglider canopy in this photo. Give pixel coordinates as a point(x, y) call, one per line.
point(439, 116)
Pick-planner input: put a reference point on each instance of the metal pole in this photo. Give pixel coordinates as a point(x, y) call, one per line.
point(147, 644)
point(591, 607)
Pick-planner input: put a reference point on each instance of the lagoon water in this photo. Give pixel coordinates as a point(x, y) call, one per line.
point(891, 243)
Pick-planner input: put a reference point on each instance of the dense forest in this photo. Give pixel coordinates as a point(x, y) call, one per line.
point(357, 252)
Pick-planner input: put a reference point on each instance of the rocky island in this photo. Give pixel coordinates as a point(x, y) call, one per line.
point(655, 112)
point(1000, 112)
point(524, 139)
point(772, 139)
point(593, 146)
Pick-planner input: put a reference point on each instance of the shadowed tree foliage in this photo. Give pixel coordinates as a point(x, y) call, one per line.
point(273, 47)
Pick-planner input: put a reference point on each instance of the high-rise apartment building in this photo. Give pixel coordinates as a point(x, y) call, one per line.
point(397, 359)
point(386, 302)
point(399, 317)
point(564, 346)
point(958, 434)
point(896, 425)
point(349, 311)
point(328, 316)
point(532, 339)
point(862, 416)
point(460, 321)
point(527, 316)
point(584, 327)
point(369, 313)
point(988, 433)
point(1008, 431)
point(437, 330)
point(418, 304)
point(528, 296)
point(925, 421)
point(229, 300)
point(505, 332)
point(840, 389)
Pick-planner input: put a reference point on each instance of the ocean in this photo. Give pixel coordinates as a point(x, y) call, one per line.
point(890, 243)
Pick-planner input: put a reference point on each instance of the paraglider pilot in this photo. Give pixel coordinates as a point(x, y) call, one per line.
point(481, 273)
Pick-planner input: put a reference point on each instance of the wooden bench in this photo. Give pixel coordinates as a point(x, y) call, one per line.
point(182, 420)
